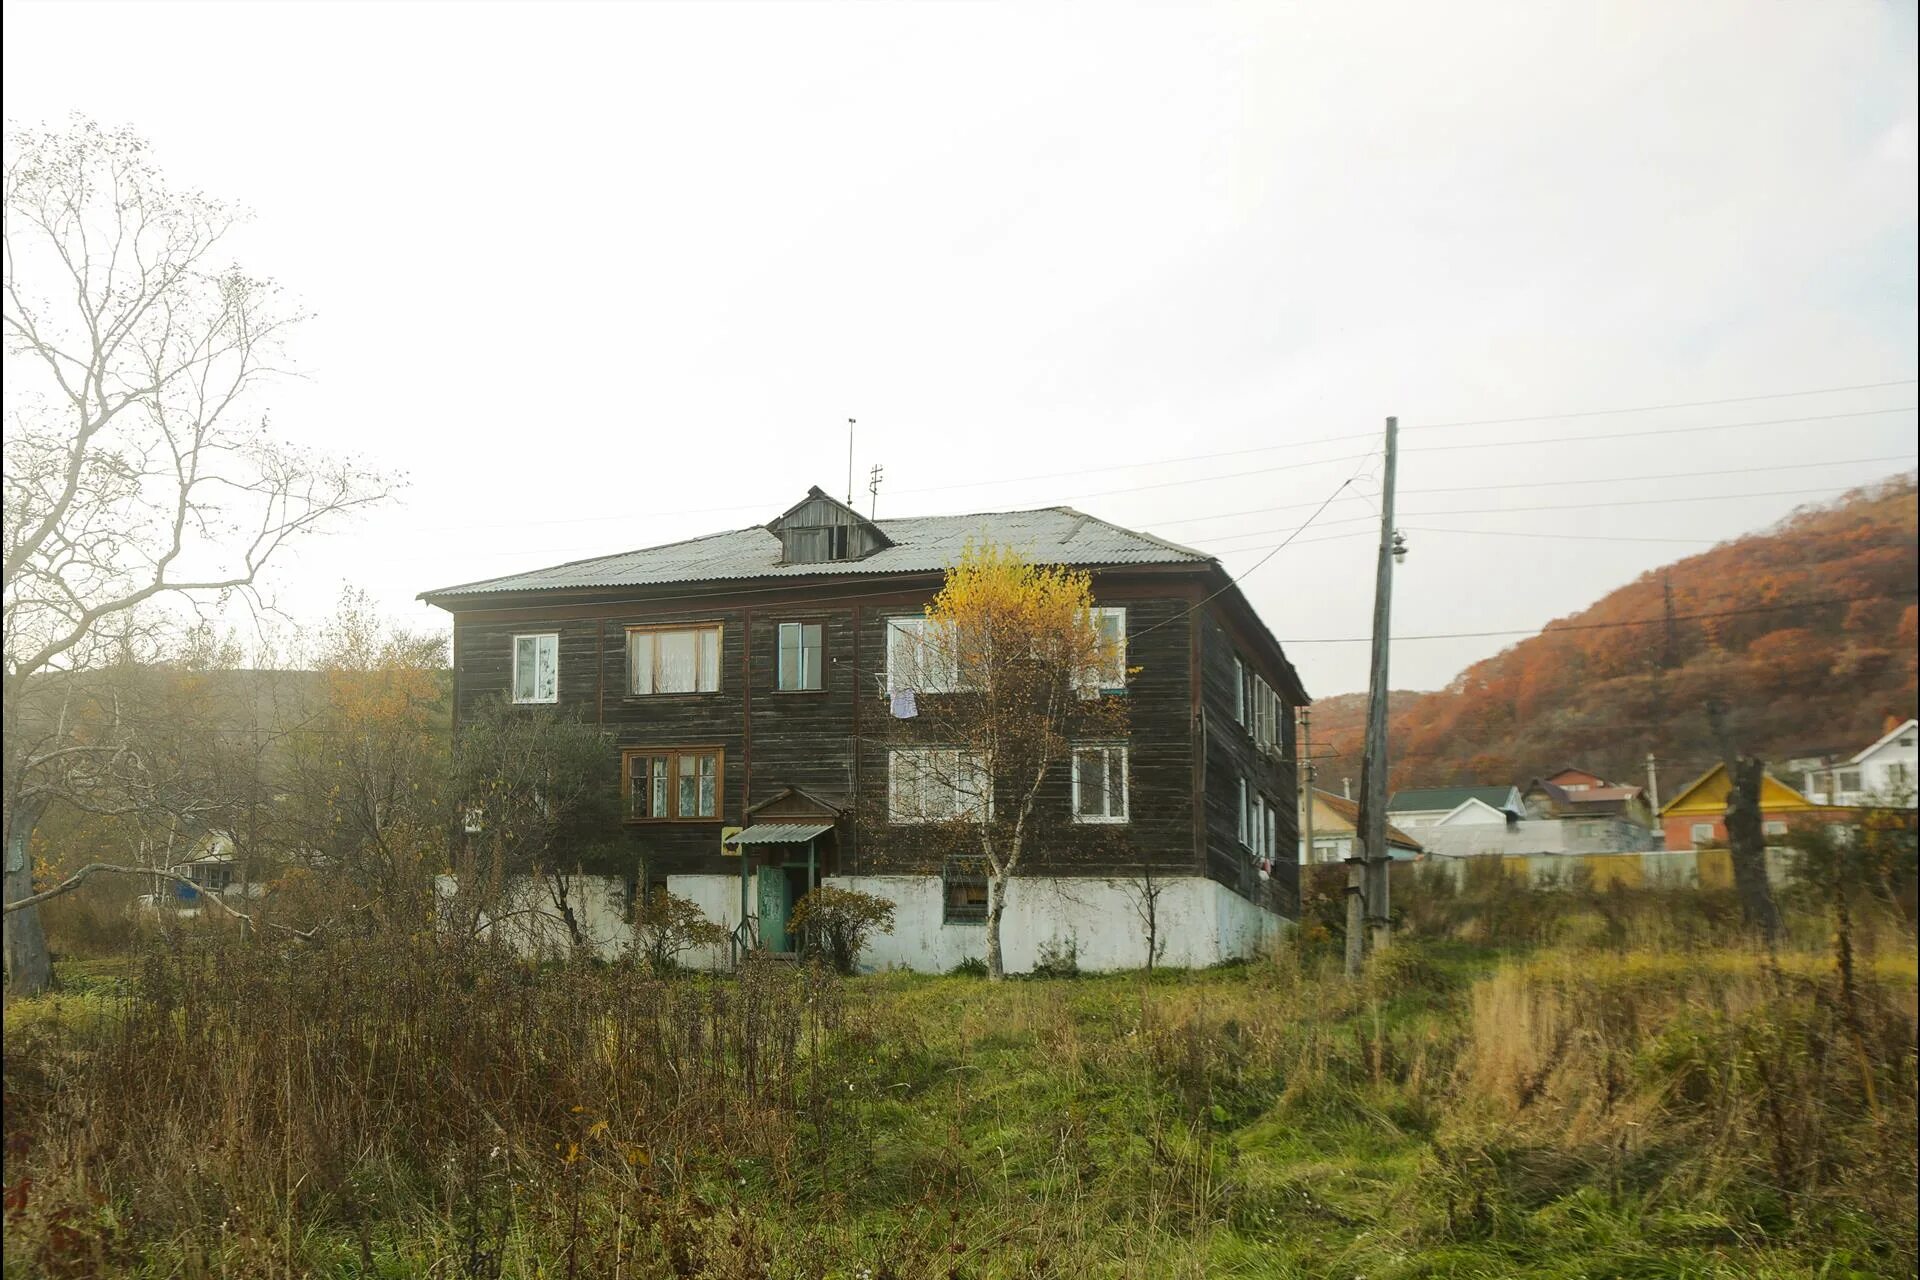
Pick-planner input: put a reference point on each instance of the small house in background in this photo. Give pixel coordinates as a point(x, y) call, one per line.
point(1429, 806)
point(1336, 819)
point(1595, 814)
point(1884, 773)
point(1696, 818)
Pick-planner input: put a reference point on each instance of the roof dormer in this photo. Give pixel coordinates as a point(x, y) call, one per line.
point(820, 530)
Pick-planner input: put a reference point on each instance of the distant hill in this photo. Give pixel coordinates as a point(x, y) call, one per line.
point(1797, 677)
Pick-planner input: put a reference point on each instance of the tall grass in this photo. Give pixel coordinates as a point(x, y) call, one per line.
point(1628, 1086)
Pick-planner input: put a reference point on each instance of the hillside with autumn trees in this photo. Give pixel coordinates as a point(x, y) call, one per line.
point(1805, 630)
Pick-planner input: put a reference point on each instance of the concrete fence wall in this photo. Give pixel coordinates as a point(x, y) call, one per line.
point(1679, 869)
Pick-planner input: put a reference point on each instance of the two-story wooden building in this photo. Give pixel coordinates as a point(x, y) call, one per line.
point(746, 679)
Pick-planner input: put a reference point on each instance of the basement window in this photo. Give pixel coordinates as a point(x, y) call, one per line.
point(963, 885)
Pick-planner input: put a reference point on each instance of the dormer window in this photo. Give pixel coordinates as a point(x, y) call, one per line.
point(812, 546)
point(820, 530)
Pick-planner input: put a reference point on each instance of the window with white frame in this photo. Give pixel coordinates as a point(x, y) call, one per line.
point(799, 656)
point(937, 784)
point(1100, 784)
point(1266, 714)
point(1245, 812)
point(536, 668)
point(1110, 624)
point(681, 659)
point(1239, 691)
point(921, 655)
point(1775, 828)
point(1702, 833)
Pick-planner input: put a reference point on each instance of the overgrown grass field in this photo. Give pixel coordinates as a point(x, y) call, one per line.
point(1625, 1089)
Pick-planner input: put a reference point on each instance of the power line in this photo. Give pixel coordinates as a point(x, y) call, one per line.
point(1583, 506)
point(1239, 577)
point(1651, 408)
point(1605, 626)
point(1663, 431)
point(1571, 537)
point(1542, 484)
point(1233, 453)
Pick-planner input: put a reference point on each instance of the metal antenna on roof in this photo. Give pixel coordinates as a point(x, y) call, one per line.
point(874, 477)
point(849, 461)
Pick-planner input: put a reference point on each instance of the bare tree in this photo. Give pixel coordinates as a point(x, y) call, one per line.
point(1144, 892)
point(541, 790)
point(137, 472)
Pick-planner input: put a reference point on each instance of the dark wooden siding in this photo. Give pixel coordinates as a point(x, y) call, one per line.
point(834, 742)
point(1159, 832)
point(1232, 754)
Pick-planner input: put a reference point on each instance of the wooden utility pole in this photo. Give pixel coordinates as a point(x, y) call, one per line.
point(1371, 852)
point(1304, 763)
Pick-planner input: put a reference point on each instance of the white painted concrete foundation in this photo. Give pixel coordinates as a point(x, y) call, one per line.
point(1200, 922)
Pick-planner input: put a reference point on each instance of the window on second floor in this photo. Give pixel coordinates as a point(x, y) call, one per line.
point(1100, 784)
point(536, 668)
point(1111, 673)
point(921, 656)
point(936, 784)
point(672, 784)
point(682, 659)
point(799, 656)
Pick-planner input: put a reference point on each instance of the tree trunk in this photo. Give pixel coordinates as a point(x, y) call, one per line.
point(1746, 838)
point(29, 966)
point(996, 968)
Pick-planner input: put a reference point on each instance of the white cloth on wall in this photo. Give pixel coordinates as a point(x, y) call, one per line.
point(904, 707)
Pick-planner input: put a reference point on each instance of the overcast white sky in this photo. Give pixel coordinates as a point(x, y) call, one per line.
point(598, 276)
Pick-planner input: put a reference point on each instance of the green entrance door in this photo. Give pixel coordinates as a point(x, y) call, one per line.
point(776, 903)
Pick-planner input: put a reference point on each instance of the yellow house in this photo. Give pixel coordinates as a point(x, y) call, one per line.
point(1335, 819)
point(1697, 817)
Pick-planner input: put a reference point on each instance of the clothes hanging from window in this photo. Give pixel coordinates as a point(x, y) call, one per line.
point(904, 707)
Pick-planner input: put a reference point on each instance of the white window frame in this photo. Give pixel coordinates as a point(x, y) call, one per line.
point(1106, 751)
point(976, 807)
point(911, 630)
point(1702, 834)
point(1245, 811)
point(819, 657)
point(1239, 691)
point(651, 635)
point(549, 641)
point(1773, 827)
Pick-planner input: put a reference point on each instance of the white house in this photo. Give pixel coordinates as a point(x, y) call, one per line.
point(1884, 773)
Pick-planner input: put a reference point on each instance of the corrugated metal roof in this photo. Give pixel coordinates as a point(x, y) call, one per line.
point(782, 832)
point(922, 544)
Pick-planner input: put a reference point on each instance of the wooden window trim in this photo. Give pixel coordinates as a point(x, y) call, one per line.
point(673, 754)
point(805, 620)
point(655, 628)
point(956, 869)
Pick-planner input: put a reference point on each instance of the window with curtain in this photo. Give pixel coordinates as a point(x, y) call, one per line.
point(673, 659)
point(936, 784)
point(921, 655)
point(672, 784)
